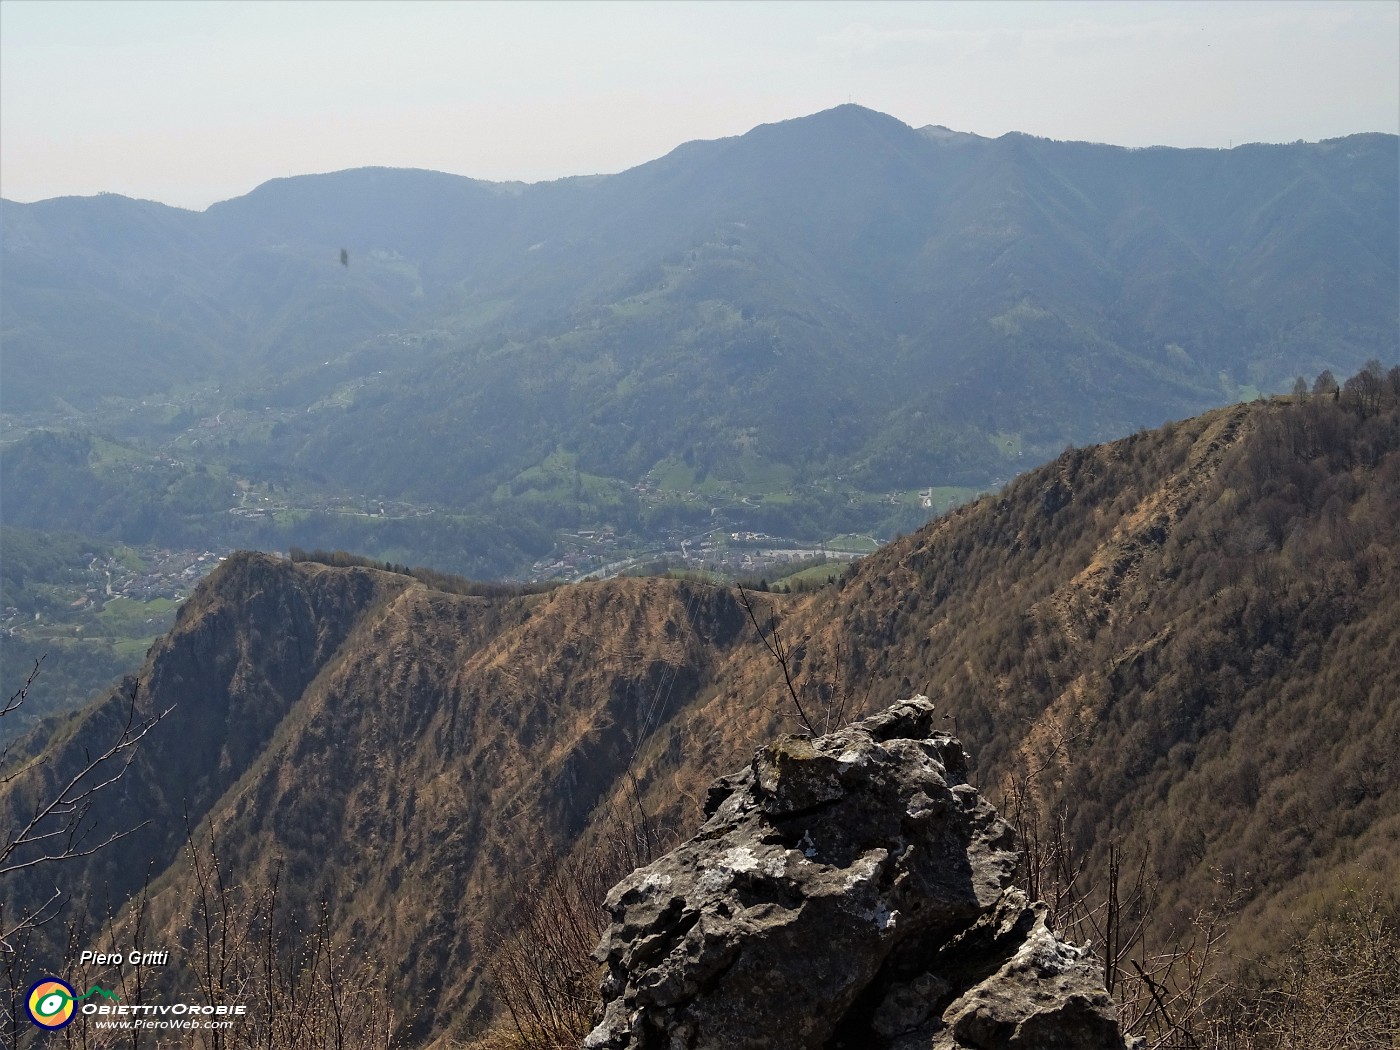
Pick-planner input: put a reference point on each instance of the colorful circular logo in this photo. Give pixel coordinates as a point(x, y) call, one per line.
point(50, 1003)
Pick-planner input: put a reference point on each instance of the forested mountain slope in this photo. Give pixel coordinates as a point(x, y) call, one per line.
point(1188, 639)
point(1183, 643)
point(837, 294)
point(408, 755)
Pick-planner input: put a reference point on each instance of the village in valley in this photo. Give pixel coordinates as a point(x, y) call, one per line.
point(128, 595)
point(599, 554)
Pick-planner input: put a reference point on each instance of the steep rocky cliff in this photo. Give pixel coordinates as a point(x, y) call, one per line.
point(243, 651)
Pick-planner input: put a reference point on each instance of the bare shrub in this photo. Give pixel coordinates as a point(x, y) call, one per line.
point(542, 972)
point(304, 989)
point(1169, 993)
point(1335, 985)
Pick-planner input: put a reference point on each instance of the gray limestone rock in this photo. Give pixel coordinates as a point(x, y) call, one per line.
point(851, 891)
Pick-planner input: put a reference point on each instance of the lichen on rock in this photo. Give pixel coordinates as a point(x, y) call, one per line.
point(851, 891)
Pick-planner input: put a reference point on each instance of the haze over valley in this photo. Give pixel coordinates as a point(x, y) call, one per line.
point(836, 325)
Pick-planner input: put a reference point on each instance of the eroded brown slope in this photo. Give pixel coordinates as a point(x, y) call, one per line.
point(406, 759)
point(242, 652)
point(1193, 631)
point(425, 775)
point(1194, 635)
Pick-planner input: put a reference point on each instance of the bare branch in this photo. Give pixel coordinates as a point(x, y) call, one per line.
point(59, 825)
point(72, 802)
point(773, 642)
point(32, 921)
point(15, 701)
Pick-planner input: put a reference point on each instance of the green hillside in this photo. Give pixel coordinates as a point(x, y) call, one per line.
point(814, 314)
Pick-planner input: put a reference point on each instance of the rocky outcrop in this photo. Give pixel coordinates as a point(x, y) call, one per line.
point(848, 891)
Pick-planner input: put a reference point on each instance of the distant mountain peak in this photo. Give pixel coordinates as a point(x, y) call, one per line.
point(846, 115)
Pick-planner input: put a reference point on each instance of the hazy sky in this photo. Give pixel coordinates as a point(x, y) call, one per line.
point(192, 102)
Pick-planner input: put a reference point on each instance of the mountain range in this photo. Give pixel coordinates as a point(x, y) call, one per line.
point(1177, 651)
point(776, 329)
